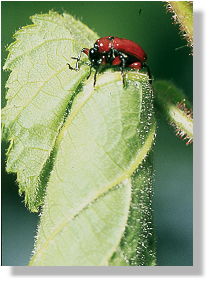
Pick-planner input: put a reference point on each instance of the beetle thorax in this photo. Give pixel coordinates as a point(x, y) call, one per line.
point(104, 44)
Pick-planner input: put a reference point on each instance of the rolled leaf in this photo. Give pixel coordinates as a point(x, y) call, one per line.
point(106, 137)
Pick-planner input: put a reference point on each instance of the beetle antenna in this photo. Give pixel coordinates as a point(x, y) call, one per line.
point(178, 48)
point(71, 68)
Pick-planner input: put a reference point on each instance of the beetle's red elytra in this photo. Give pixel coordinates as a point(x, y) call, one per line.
point(114, 51)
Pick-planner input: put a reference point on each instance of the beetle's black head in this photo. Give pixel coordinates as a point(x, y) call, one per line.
point(94, 56)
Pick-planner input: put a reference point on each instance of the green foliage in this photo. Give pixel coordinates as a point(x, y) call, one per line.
point(105, 138)
point(40, 87)
point(80, 151)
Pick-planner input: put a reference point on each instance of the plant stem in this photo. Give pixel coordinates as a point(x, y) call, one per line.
point(183, 15)
point(172, 103)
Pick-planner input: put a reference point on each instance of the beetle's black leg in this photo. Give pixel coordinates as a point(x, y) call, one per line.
point(89, 71)
point(123, 64)
point(123, 75)
point(95, 76)
point(111, 55)
point(149, 72)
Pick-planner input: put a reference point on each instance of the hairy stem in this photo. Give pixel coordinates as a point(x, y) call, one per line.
point(183, 15)
point(172, 103)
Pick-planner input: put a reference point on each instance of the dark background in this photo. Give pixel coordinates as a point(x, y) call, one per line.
point(148, 24)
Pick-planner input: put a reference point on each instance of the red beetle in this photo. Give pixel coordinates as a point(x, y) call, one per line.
point(114, 51)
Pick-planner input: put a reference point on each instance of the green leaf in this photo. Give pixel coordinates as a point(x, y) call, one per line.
point(137, 246)
point(92, 191)
point(174, 105)
point(81, 150)
point(40, 88)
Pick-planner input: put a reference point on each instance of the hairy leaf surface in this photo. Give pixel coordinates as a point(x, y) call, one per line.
point(106, 137)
